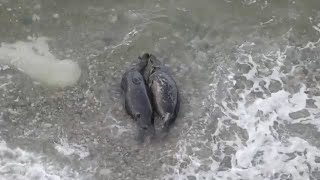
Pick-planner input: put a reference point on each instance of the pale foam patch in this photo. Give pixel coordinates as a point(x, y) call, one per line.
point(69, 149)
point(17, 164)
point(274, 154)
point(293, 159)
point(35, 59)
point(265, 153)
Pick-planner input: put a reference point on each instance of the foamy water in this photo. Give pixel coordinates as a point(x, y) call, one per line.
point(19, 164)
point(68, 149)
point(267, 151)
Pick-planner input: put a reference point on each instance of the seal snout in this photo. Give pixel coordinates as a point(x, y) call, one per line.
point(150, 59)
point(154, 62)
point(145, 56)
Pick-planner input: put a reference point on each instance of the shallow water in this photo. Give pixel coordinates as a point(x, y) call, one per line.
point(248, 73)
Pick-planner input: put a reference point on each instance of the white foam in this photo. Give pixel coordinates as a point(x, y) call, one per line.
point(56, 15)
point(35, 17)
point(249, 2)
point(35, 59)
point(17, 164)
point(275, 158)
point(68, 149)
point(316, 28)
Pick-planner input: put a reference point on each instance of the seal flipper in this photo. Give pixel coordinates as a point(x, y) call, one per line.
point(167, 120)
point(145, 56)
point(165, 126)
point(123, 83)
point(170, 118)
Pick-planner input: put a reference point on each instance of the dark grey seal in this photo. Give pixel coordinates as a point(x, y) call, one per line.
point(137, 102)
point(164, 91)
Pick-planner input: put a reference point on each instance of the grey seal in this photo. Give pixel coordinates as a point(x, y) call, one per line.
point(137, 99)
point(164, 91)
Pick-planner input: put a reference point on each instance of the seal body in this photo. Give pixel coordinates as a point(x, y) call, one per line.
point(164, 91)
point(136, 97)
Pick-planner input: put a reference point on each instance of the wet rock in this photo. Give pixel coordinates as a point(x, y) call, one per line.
point(269, 64)
point(107, 41)
point(240, 82)
point(275, 86)
point(286, 176)
point(262, 85)
point(4, 116)
point(243, 68)
point(286, 69)
point(253, 95)
point(305, 131)
point(275, 175)
point(203, 168)
point(299, 114)
point(27, 20)
point(241, 133)
point(292, 55)
point(234, 116)
point(316, 92)
point(183, 165)
point(316, 174)
point(310, 103)
point(300, 73)
point(204, 153)
point(225, 163)
point(228, 150)
point(239, 85)
point(171, 161)
point(292, 156)
point(226, 135)
point(258, 158)
point(249, 84)
point(191, 178)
